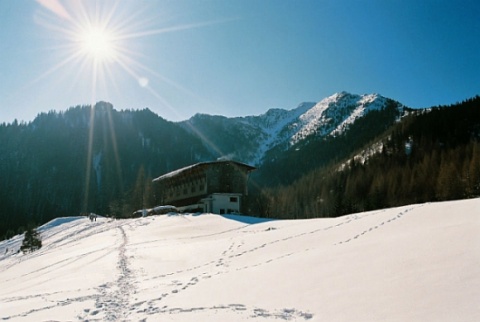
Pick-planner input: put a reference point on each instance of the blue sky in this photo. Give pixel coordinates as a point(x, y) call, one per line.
point(235, 57)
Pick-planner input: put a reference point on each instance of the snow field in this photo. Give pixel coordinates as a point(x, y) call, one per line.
point(413, 263)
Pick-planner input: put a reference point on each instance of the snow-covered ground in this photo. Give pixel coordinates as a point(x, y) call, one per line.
point(413, 263)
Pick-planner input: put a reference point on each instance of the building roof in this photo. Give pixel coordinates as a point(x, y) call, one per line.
point(202, 165)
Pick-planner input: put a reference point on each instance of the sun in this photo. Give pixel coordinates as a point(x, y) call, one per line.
point(98, 43)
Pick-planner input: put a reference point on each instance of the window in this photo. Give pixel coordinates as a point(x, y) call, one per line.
point(233, 199)
point(222, 211)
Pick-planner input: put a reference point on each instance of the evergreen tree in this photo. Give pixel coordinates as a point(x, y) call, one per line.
point(31, 241)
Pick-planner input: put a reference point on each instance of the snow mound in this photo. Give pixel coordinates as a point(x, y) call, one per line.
point(57, 222)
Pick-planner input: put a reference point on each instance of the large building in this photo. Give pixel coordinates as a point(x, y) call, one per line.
point(216, 187)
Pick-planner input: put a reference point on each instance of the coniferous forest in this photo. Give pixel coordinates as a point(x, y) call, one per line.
point(75, 162)
point(102, 160)
point(429, 156)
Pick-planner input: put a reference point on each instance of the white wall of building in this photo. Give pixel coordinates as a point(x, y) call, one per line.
point(225, 203)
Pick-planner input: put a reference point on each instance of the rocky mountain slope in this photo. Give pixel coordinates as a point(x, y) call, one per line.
point(251, 138)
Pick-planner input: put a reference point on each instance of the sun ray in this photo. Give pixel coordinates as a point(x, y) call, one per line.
point(152, 32)
point(165, 103)
point(47, 73)
point(118, 166)
point(88, 171)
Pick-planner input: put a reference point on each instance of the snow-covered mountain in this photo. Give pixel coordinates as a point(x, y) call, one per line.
point(280, 129)
point(413, 263)
point(334, 114)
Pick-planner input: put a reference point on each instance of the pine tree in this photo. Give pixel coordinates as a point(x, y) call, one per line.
point(31, 241)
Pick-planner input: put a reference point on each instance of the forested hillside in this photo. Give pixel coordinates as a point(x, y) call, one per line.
point(102, 160)
point(428, 156)
point(86, 160)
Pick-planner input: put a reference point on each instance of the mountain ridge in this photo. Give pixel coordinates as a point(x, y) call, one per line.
point(281, 129)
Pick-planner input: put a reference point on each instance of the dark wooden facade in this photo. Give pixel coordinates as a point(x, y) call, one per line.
point(190, 185)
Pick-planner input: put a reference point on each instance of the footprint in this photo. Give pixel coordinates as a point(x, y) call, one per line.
point(238, 307)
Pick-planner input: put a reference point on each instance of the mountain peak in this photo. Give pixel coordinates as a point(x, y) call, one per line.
point(333, 114)
point(280, 128)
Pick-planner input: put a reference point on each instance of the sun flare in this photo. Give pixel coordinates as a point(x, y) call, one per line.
point(98, 43)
